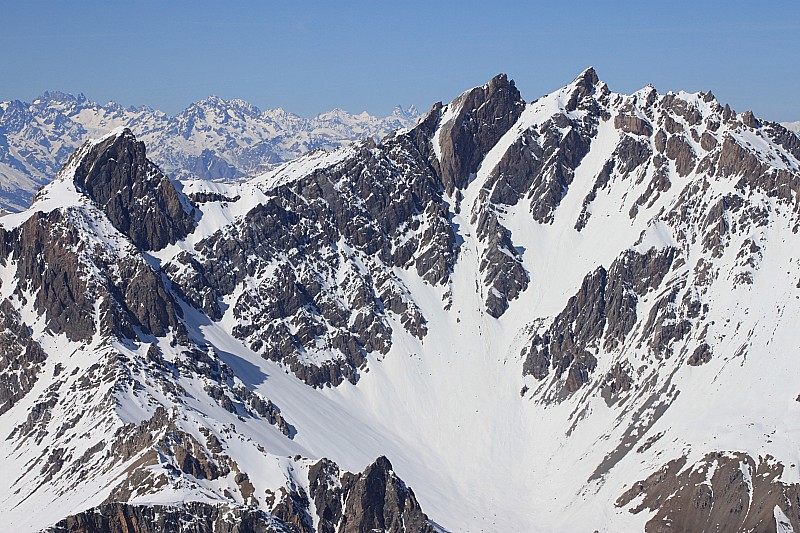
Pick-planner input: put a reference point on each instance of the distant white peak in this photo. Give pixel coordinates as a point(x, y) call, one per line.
point(276, 111)
point(61, 97)
point(339, 113)
point(279, 114)
point(116, 132)
point(145, 109)
point(216, 103)
point(114, 106)
point(408, 113)
point(792, 126)
point(244, 105)
point(212, 100)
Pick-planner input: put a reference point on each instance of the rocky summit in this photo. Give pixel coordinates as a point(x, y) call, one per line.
point(572, 314)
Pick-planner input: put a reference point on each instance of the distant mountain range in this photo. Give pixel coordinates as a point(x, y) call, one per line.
point(794, 126)
point(210, 139)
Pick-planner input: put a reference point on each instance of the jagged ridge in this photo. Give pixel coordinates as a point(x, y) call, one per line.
point(585, 289)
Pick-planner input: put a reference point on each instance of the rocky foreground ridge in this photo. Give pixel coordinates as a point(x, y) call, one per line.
point(574, 313)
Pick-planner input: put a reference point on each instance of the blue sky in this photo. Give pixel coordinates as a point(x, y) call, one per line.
point(311, 56)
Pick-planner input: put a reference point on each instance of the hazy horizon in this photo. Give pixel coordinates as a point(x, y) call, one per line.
point(369, 57)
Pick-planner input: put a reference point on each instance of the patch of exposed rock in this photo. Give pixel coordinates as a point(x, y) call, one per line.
point(483, 115)
point(191, 517)
point(139, 200)
point(72, 276)
point(598, 317)
point(723, 492)
point(376, 500)
point(21, 357)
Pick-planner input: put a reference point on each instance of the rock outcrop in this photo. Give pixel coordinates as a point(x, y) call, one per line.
point(723, 492)
point(359, 503)
point(193, 517)
point(138, 199)
point(598, 317)
point(21, 357)
point(478, 119)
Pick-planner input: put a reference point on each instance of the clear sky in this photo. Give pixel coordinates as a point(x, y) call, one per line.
point(310, 56)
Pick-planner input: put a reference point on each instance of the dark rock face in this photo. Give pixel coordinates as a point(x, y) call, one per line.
point(600, 315)
point(682, 108)
point(385, 205)
point(194, 517)
point(708, 142)
point(561, 155)
point(293, 510)
point(633, 124)
point(702, 354)
point(139, 200)
point(680, 151)
point(20, 357)
point(380, 500)
point(327, 493)
point(376, 500)
point(47, 266)
point(484, 115)
point(501, 265)
point(517, 169)
point(68, 274)
point(583, 86)
point(740, 495)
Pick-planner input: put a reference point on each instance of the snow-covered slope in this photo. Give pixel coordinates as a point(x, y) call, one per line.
point(573, 314)
point(793, 126)
point(210, 139)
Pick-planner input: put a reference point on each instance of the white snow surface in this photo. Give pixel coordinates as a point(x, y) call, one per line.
point(793, 126)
